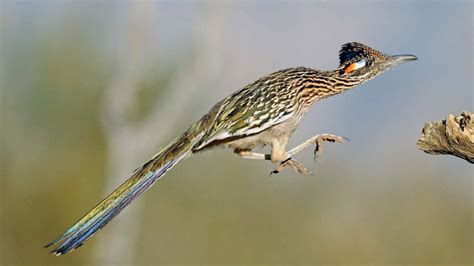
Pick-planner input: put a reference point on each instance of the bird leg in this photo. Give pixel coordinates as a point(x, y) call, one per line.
point(318, 140)
point(248, 154)
point(294, 165)
point(290, 162)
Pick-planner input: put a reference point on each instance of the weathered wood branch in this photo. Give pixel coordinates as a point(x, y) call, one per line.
point(454, 136)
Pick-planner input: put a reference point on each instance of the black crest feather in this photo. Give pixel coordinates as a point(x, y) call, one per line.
point(351, 51)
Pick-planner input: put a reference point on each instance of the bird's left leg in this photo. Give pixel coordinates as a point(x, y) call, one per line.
point(248, 154)
point(279, 154)
point(288, 162)
point(294, 165)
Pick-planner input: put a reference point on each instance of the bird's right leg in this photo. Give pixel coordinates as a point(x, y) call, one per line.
point(318, 140)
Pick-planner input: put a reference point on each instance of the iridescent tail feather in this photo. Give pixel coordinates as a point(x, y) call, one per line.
point(113, 204)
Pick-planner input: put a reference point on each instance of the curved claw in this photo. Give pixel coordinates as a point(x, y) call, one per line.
point(273, 172)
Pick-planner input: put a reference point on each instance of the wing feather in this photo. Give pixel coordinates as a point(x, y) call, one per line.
point(255, 108)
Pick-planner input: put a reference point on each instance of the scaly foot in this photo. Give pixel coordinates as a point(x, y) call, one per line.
point(294, 165)
point(325, 137)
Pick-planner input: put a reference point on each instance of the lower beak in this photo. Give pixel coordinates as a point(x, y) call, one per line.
point(403, 58)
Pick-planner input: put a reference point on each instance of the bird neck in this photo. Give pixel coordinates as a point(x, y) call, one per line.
point(318, 85)
point(341, 83)
point(328, 83)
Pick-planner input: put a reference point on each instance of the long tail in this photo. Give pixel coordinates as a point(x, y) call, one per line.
point(114, 203)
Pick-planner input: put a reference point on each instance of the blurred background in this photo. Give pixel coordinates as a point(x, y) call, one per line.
point(90, 90)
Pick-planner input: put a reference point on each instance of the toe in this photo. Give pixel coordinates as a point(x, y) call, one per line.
point(342, 139)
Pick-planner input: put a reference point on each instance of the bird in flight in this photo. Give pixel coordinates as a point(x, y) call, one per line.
point(265, 112)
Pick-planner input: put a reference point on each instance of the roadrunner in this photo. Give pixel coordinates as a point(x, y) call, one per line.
point(265, 112)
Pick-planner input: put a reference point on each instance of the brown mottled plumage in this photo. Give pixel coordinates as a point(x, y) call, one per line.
point(265, 112)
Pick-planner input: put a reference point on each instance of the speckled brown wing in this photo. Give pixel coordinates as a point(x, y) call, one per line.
point(260, 105)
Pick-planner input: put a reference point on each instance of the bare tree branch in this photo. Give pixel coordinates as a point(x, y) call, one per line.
point(454, 136)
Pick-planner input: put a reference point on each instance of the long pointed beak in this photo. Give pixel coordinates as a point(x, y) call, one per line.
point(403, 58)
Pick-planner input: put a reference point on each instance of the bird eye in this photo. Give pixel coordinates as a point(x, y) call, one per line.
point(355, 66)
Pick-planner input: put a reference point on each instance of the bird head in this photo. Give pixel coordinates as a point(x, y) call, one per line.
point(363, 63)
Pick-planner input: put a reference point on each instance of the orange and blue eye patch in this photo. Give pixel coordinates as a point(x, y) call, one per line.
point(355, 66)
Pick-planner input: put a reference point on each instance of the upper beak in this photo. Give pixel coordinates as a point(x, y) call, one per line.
point(398, 59)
